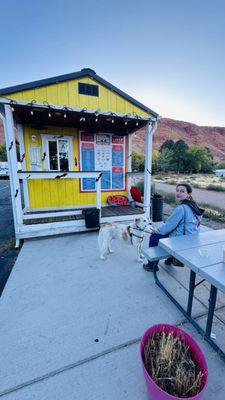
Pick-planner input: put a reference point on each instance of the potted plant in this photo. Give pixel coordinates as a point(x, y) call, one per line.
point(173, 364)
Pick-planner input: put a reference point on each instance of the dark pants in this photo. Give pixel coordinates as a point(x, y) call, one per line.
point(153, 241)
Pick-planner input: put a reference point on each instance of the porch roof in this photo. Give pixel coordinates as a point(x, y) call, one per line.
point(40, 114)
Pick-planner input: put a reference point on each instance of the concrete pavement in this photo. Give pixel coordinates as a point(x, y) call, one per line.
point(70, 324)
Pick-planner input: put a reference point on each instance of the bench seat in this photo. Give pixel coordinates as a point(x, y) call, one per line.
point(155, 253)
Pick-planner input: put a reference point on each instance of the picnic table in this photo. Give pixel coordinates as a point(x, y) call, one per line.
point(202, 253)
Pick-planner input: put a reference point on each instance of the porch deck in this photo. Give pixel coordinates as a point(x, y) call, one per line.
point(70, 324)
point(108, 211)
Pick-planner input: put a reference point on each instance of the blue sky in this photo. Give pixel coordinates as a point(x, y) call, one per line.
point(168, 54)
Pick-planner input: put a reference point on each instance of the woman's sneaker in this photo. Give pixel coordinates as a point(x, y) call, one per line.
point(150, 268)
point(169, 261)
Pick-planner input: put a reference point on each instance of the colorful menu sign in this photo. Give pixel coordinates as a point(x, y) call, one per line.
point(105, 153)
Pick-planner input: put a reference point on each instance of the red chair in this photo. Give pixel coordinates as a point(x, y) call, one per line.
point(136, 194)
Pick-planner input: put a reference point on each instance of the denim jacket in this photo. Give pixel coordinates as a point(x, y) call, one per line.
point(182, 221)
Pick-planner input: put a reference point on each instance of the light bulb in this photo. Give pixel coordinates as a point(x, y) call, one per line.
point(64, 115)
point(49, 114)
point(125, 122)
point(137, 123)
point(96, 119)
point(31, 113)
point(112, 121)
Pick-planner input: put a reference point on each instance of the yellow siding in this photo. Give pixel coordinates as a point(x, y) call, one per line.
point(66, 93)
point(45, 193)
point(55, 193)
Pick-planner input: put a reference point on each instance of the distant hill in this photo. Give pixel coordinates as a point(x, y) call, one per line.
point(211, 137)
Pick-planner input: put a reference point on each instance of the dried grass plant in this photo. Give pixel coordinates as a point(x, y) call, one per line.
point(171, 365)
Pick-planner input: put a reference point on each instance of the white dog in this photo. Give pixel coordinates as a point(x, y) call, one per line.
point(133, 233)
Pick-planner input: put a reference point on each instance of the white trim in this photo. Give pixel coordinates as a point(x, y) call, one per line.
point(22, 151)
point(53, 230)
point(57, 228)
point(61, 208)
point(127, 218)
point(129, 164)
point(55, 174)
point(55, 137)
point(149, 131)
point(8, 124)
point(51, 214)
point(56, 107)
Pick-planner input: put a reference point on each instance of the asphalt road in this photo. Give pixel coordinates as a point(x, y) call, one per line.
point(200, 195)
point(8, 253)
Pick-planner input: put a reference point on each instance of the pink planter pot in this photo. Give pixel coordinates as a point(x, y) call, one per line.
point(154, 391)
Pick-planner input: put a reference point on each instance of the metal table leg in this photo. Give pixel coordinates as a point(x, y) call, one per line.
point(191, 291)
point(212, 302)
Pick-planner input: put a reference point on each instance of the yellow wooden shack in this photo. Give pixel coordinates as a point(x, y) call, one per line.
point(74, 135)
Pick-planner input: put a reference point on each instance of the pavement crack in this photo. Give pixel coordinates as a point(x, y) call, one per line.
point(69, 367)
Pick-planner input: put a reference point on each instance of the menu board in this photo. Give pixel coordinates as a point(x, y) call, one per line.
point(117, 177)
point(106, 153)
point(88, 164)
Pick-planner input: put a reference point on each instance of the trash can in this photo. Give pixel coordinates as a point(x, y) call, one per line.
point(157, 208)
point(91, 216)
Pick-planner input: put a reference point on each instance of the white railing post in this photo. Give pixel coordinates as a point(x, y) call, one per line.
point(129, 164)
point(149, 131)
point(98, 194)
point(13, 166)
point(23, 164)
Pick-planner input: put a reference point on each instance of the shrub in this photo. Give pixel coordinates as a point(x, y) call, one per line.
point(217, 188)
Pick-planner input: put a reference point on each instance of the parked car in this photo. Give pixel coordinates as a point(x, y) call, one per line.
point(4, 170)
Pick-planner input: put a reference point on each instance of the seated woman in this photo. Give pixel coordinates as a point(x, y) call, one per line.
point(184, 220)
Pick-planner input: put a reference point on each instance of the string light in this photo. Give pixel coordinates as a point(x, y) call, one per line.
point(125, 122)
point(49, 114)
point(96, 119)
point(112, 121)
point(64, 115)
point(31, 112)
point(11, 104)
point(137, 123)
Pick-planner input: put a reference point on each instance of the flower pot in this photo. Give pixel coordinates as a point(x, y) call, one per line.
point(154, 391)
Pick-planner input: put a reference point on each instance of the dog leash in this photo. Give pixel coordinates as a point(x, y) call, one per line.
point(131, 234)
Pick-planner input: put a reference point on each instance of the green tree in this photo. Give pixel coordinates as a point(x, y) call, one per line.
point(3, 154)
point(168, 144)
point(199, 159)
point(165, 160)
point(138, 162)
point(180, 150)
point(220, 165)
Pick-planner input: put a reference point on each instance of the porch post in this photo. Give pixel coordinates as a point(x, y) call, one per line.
point(149, 131)
point(23, 164)
point(98, 194)
point(13, 167)
point(129, 163)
